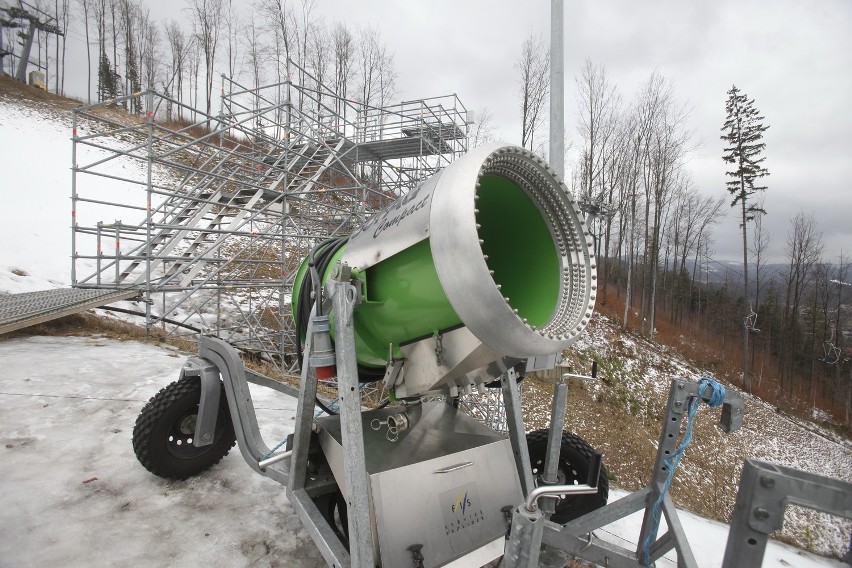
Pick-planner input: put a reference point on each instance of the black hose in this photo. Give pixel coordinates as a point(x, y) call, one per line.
point(323, 407)
point(318, 262)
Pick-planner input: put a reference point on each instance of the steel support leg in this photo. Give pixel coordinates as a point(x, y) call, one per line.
point(321, 533)
point(517, 434)
point(304, 416)
point(554, 443)
point(344, 297)
point(523, 548)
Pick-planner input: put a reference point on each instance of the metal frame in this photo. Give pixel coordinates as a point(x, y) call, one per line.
point(577, 537)
point(765, 491)
point(209, 216)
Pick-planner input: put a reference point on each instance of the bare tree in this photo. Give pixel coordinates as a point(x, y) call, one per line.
point(178, 46)
point(319, 60)
point(65, 20)
point(804, 249)
point(281, 22)
point(843, 289)
point(115, 25)
point(759, 245)
point(207, 24)
point(149, 52)
point(61, 16)
point(533, 68)
point(483, 132)
point(376, 76)
point(194, 67)
point(106, 74)
point(130, 16)
point(344, 53)
point(86, 5)
point(302, 45)
point(254, 49)
point(663, 142)
point(232, 26)
point(599, 102)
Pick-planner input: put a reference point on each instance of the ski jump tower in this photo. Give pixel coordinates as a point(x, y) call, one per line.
point(208, 216)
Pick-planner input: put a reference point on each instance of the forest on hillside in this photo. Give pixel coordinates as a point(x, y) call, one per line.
point(654, 238)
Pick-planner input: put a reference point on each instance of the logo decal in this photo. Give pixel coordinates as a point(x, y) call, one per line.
point(462, 510)
point(462, 503)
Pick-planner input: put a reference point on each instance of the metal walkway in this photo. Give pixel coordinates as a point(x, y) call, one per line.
point(18, 311)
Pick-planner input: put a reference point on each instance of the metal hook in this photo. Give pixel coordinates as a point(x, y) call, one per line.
point(392, 435)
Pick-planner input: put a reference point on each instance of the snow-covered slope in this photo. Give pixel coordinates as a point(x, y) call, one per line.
point(35, 217)
point(636, 377)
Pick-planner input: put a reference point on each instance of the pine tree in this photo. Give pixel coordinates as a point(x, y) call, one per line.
point(133, 84)
point(107, 88)
point(743, 133)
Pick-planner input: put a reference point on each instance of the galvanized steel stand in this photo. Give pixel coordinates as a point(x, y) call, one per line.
point(344, 297)
point(765, 491)
point(577, 538)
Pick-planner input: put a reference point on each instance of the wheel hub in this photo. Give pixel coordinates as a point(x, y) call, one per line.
point(187, 425)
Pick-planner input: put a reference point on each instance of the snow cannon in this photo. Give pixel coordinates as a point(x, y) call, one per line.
point(484, 266)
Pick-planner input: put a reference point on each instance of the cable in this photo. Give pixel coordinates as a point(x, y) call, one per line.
point(323, 407)
point(318, 261)
point(142, 314)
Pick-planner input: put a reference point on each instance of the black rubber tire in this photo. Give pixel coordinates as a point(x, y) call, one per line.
point(162, 436)
point(574, 458)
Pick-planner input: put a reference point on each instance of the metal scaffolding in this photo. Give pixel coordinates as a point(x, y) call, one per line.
point(209, 216)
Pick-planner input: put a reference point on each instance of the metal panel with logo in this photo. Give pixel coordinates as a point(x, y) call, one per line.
point(444, 491)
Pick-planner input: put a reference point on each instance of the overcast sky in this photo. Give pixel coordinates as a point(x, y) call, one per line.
point(794, 57)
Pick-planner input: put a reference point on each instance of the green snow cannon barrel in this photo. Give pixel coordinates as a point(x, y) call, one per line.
point(493, 244)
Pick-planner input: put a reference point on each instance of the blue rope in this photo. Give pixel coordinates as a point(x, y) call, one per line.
point(273, 450)
point(333, 405)
point(717, 397)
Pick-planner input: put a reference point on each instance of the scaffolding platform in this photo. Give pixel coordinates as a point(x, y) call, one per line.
point(18, 311)
point(399, 148)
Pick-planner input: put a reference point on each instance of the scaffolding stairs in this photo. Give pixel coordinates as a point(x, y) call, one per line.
point(203, 222)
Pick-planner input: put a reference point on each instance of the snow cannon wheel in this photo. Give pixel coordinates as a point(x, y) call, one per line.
point(574, 457)
point(162, 436)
